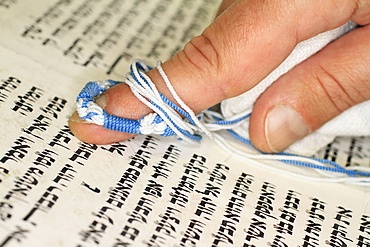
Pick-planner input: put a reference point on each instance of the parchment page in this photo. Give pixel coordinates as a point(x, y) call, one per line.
point(57, 191)
point(101, 37)
point(348, 151)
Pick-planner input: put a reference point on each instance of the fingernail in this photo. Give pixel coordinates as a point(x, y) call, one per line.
point(101, 100)
point(76, 118)
point(283, 127)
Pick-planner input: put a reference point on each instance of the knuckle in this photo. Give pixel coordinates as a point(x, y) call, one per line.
point(207, 61)
point(337, 89)
point(361, 14)
point(201, 52)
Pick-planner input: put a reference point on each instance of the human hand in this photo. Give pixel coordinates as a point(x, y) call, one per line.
point(247, 41)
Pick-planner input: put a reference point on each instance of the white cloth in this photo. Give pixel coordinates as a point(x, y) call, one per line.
point(353, 122)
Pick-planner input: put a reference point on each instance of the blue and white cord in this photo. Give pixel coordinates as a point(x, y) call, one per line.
point(177, 119)
point(167, 119)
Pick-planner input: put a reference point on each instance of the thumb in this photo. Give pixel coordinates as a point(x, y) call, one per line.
point(313, 93)
point(230, 57)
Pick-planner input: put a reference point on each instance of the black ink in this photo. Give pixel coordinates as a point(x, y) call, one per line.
point(18, 151)
point(95, 190)
point(338, 236)
point(8, 86)
point(55, 106)
point(233, 210)
point(24, 103)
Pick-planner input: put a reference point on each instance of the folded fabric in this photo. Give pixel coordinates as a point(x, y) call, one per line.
point(353, 122)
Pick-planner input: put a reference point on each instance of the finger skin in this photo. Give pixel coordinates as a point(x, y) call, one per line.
point(362, 13)
point(321, 87)
point(120, 102)
point(231, 56)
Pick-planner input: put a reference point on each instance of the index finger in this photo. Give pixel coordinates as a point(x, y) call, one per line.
point(243, 45)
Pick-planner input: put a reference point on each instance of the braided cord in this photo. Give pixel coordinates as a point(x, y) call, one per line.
point(177, 119)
